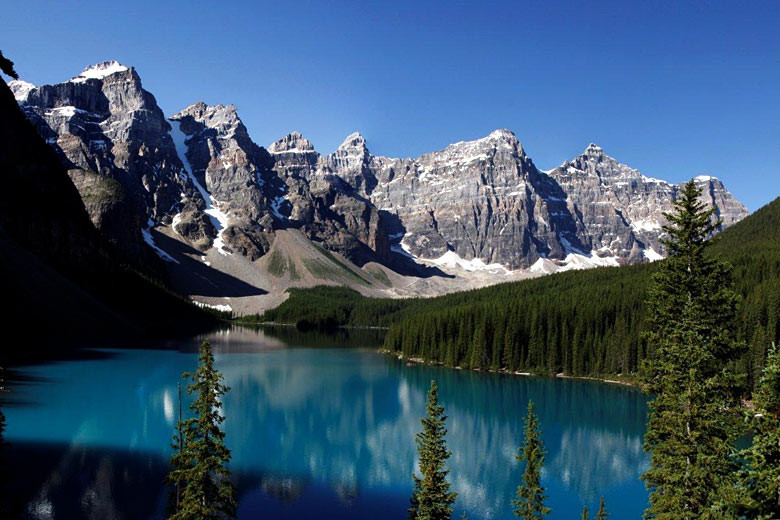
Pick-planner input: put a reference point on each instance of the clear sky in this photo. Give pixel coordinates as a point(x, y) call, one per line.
point(675, 89)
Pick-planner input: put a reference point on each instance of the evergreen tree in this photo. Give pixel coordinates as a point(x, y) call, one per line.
point(198, 467)
point(529, 503)
point(431, 497)
point(691, 427)
point(602, 514)
point(760, 478)
point(7, 67)
point(585, 513)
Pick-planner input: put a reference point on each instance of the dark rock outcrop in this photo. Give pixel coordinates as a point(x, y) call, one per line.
point(60, 277)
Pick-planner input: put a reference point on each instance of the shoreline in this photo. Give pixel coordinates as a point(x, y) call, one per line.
point(278, 324)
point(629, 383)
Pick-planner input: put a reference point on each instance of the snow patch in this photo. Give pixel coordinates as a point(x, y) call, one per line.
point(218, 218)
point(652, 255)
point(21, 89)
point(576, 259)
point(276, 205)
point(451, 260)
point(543, 266)
point(646, 225)
point(293, 150)
point(149, 239)
point(99, 71)
point(223, 308)
point(704, 178)
point(653, 180)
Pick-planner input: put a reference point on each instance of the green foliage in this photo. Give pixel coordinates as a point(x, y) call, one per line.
point(602, 514)
point(758, 488)
point(277, 264)
point(293, 270)
point(380, 275)
point(324, 307)
point(529, 503)
point(331, 269)
point(199, 476)
point(431, 498)
point(585, 513)
point(691, 426)
point(580, 323)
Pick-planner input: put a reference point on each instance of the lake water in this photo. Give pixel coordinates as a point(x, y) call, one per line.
point(315, 429)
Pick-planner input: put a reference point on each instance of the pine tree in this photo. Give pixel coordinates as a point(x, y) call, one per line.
point(760, 478)
point(198, 467)
point(529, 503)
point(431, 497)
point(690, 428)
point(585, 513)
point(602, 514)
point(7, 67)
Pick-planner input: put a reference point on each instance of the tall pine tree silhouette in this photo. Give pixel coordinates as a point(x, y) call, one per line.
point(431, 497)
point(602, 514)
point(529, 503)
point(199, 475)
point(691, 427)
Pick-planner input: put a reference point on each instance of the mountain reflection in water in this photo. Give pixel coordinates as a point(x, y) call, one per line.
point(327, 431)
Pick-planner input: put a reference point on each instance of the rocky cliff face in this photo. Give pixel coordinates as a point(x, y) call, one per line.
point(232, 175)
point(481, 199)
point(485, 202)
point(55, 266)
point(102, 122)
point(320, 201)
point(480, 204)
point(618, 212)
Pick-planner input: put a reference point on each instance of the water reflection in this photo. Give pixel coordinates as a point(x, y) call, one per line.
point(321, 431)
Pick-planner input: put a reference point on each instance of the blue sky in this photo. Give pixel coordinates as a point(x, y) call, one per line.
point(674, 89)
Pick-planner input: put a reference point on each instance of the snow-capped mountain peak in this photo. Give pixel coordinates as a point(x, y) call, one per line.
point(99, 71)
point(293, 142)
point(593, 150)
point(21, 89)
point(353, 140)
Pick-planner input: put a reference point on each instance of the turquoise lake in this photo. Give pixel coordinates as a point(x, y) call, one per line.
point(317, 426)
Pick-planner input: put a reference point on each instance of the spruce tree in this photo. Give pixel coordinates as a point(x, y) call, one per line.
point(602, 514)
point(529, 503)
point(760, 478)
point(7, 67)
point(431, 497)
point(199, 466)
point(691, 426)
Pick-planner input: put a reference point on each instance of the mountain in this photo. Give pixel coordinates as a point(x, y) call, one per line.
point(114, 140)
point(61, 279)
point(196, 188)
point(582, 323)
point(618, 211)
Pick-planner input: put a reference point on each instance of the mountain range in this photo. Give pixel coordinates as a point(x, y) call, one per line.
point(61, 278)
point(233, 224)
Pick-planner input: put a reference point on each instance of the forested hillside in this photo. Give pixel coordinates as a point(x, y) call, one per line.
point(579, 323)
